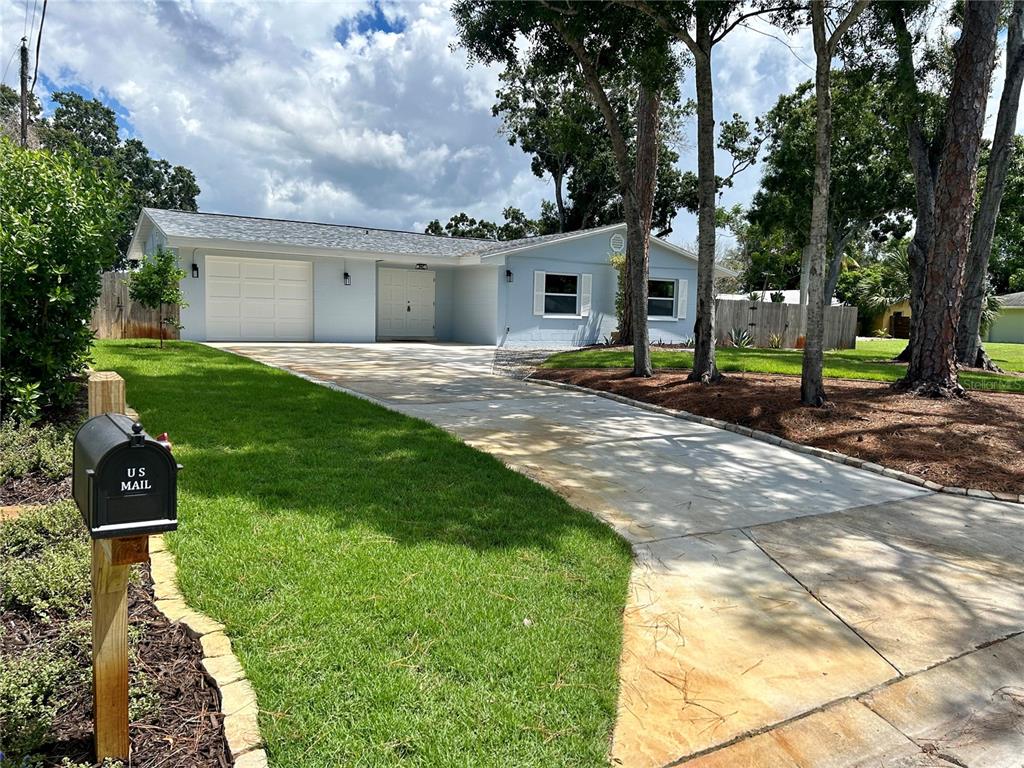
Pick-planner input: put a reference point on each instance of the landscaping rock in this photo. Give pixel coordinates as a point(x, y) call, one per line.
point(979, 494)
point(255, 759)
point(215, 644)
point(224, 669)
point(197, 623)
point(241, 717)
point(165, 579)
point(238, 700)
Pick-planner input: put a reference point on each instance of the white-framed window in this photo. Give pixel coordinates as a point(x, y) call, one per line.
point(666, 299)
point(561, 294)
point(661, 299)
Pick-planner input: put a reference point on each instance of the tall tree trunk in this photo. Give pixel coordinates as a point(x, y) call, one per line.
point(932, 370)
point(626, 323)
point(805, 274)
point(921, 161)
point(704, 368)
point(812, 384)
point(648, 106)
point(637, 182)
point(969, 350)
point(839, 243)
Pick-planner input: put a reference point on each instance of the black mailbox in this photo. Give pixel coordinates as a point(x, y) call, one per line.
point(125, 483)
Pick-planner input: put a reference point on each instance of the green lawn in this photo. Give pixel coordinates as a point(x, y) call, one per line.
point(396, 597)
point(871, 360)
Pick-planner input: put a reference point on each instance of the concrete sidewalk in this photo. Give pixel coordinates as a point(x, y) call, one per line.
point(784, 609)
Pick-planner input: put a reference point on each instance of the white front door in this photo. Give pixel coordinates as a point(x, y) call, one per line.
point(258, 299)
point(405, 303)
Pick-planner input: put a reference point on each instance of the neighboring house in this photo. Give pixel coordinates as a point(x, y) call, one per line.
point(788, 297)
point(253, 279)
point(1008, 325)
point(894, 320)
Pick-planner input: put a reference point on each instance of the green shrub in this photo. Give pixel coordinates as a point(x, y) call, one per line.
point(45, 553)
point(58, 233)
point(26, 449)
point(30, 687)
point(775, 341)
point(740, 338)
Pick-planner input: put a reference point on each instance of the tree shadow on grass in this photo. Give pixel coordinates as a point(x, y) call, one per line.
point(243, 430)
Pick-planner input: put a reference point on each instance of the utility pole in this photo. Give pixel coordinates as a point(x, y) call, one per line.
point(24, 91)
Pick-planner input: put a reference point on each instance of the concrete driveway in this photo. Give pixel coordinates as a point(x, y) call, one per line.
point(785, 610)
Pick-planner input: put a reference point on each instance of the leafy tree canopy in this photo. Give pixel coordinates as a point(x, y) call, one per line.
point(871, 190)
point(88, 122)
point(554, 120)
point(517, 225)
point(87, 128)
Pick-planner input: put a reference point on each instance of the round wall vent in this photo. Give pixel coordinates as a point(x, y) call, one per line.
point(618, 243)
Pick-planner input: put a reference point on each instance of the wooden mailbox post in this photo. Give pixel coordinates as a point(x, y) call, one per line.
point(110, 561)
point(125, 484)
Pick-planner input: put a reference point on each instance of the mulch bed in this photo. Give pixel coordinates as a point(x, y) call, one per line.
point(184, 728)
point(977, 442)
point(34, 489)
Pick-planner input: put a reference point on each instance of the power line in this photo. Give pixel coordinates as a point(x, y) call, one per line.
point(39, 41)
point(8, 67)
point(32, 25)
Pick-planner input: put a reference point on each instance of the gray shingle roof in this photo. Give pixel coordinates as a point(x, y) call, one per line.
point(217, 226)
point(1013, 299)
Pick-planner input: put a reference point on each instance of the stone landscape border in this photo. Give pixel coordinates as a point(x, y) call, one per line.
point(237, 698)
point(765, 437)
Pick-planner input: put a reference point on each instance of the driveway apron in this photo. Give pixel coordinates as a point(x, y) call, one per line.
point(782, 607)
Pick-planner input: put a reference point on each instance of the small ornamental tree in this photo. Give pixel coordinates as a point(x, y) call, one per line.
point(58, 232)
point(157, 284)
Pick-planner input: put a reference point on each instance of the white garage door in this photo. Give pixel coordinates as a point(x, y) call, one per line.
point(258, 299)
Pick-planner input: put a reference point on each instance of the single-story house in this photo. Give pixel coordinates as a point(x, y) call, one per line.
point(256, 279)
point(1008, 325)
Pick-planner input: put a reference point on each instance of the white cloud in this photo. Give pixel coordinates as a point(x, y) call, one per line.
point(388, 128)
point(277, 117)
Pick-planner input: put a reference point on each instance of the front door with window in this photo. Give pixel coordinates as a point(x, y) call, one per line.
point(405, 303)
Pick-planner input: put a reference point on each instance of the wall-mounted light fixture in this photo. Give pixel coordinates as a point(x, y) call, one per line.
point(421, 266)
point(195, 269)
point(508, 275)
point(347, 278)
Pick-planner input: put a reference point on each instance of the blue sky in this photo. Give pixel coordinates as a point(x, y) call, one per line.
point(357, 112)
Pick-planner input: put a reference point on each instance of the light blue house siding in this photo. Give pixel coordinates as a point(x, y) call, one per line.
point(465, 302)
point(341, 313)
point(486, 293)
point(520, 326)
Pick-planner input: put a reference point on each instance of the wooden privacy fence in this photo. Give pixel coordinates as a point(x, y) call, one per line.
point(763, 319)
point(118, 317)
